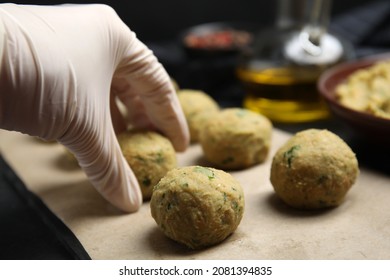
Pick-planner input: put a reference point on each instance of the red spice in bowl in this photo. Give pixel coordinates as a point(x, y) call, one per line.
point(220, 39)
point(214, 39)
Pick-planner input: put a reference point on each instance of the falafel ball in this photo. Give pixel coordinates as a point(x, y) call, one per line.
point(197, 107)
point(236, 138)
point(197, 206)
point(150, 156)
point(314, 169)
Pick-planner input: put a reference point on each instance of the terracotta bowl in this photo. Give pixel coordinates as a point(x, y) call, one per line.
point(372, 128)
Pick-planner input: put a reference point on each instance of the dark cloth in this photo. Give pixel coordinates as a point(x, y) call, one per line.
point(366, 27)
point(28, 229)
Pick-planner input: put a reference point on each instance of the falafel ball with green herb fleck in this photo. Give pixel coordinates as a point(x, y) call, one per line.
point(314, 169)
point(150, 156)
point(197, 106)
point(197, 206)
point(236, 138)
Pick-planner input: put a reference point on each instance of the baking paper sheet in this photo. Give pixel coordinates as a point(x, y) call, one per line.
point(358, 229)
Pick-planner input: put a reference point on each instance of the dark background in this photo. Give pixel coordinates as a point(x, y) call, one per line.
point(155, 20)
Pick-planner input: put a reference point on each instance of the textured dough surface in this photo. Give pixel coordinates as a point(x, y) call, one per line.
point(314, 169)
point(236, 138)
point(197, 206)
point(150, 156)
point(197, 106)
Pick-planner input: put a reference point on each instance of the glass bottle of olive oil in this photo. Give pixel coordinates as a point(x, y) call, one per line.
point(279, 72)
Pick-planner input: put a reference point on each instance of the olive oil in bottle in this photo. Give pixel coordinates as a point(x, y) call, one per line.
point(283, 94)
point(280, 70)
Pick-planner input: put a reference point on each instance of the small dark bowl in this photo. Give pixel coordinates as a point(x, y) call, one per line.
point(208, 39)
point(369, 127)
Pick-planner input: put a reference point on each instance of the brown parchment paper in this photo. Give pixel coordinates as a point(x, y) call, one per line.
point(358, 229)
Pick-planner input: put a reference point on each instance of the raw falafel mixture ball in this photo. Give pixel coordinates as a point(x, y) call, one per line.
point(314, 169)
point(150, 156)
point(197, 206)
point(236, 138)
point(197, 106)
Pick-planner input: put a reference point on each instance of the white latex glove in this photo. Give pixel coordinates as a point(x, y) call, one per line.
point(61, 68)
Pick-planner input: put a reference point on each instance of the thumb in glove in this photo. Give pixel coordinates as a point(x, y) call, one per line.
point(61, 69)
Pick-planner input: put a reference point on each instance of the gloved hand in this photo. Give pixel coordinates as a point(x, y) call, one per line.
point(62, 68)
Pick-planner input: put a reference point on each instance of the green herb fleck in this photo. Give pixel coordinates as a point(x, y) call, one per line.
point(206, 171)
point(323, 203)
point(322, 179)
point(184, 185)
point(241, 113)
point(228, 160)
point(140, 158)
point(195, 241)
point(159, 157)
point(224, 197)
point(290, 154)
point(146, 182)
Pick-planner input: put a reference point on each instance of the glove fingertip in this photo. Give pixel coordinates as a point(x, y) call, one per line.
point(131, 199)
